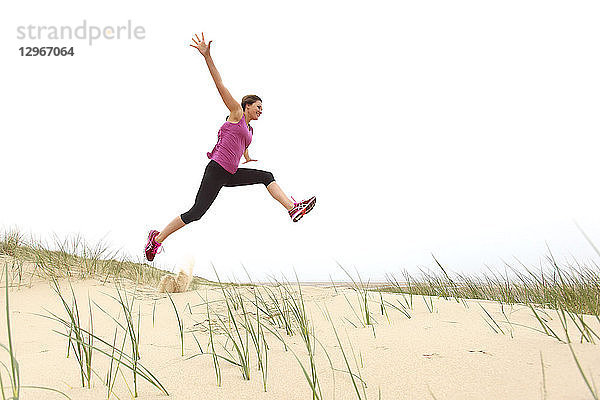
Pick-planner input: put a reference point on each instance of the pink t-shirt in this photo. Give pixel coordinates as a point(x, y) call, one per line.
point(233, 141)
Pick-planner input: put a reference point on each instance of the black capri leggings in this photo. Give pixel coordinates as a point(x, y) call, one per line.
point(215, 177)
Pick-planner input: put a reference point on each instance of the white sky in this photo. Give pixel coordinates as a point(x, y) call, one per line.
point(467, 129)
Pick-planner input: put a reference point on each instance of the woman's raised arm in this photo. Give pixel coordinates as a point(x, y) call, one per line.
point(234, 107)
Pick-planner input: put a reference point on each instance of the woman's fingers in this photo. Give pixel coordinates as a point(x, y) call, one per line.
point(200, 44)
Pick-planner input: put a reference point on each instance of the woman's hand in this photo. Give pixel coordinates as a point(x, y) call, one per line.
point(202, 47)
point(247, 157)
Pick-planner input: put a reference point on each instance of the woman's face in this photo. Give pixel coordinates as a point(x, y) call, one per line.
point(254, 110)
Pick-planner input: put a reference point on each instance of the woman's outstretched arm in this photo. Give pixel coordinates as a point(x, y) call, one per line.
point(234, 107)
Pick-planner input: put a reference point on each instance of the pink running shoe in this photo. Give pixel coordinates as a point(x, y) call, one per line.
point(302, 208)
point(152, 246)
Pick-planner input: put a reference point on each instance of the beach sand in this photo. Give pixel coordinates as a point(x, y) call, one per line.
point(450, 353)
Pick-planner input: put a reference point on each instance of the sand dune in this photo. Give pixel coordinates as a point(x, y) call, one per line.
point(449, 352)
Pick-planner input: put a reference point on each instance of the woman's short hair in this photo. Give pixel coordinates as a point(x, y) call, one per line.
point(248, 100)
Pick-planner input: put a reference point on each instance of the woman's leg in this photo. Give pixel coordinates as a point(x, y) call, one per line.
point(173, 226)
point(248, 176)
point(278, 195)
point(212, 182)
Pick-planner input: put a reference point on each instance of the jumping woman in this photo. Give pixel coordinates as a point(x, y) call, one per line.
point(234, 137)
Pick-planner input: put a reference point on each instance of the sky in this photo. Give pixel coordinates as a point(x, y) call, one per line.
point(466, 130)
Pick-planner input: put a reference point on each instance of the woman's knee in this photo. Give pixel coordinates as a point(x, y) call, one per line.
point(268, 178)
point(194, 214)
point(186, 217)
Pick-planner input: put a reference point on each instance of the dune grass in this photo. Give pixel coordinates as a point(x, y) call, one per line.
point(238, 336)
point(570, 289)
point(307, 332)
point(14, 365)
point(132, 330)
point(258, 334)
point(14, 378)
point(115, 363)
point(356, 380)
point(294, 319)
point(73, 257)
point(243, 332)
point(215, 358)
point(179, 322)
point(571, 285)
point(83, 342)
point(364, 314)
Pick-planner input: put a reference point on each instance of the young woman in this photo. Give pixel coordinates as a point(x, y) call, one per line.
point(222, 170)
